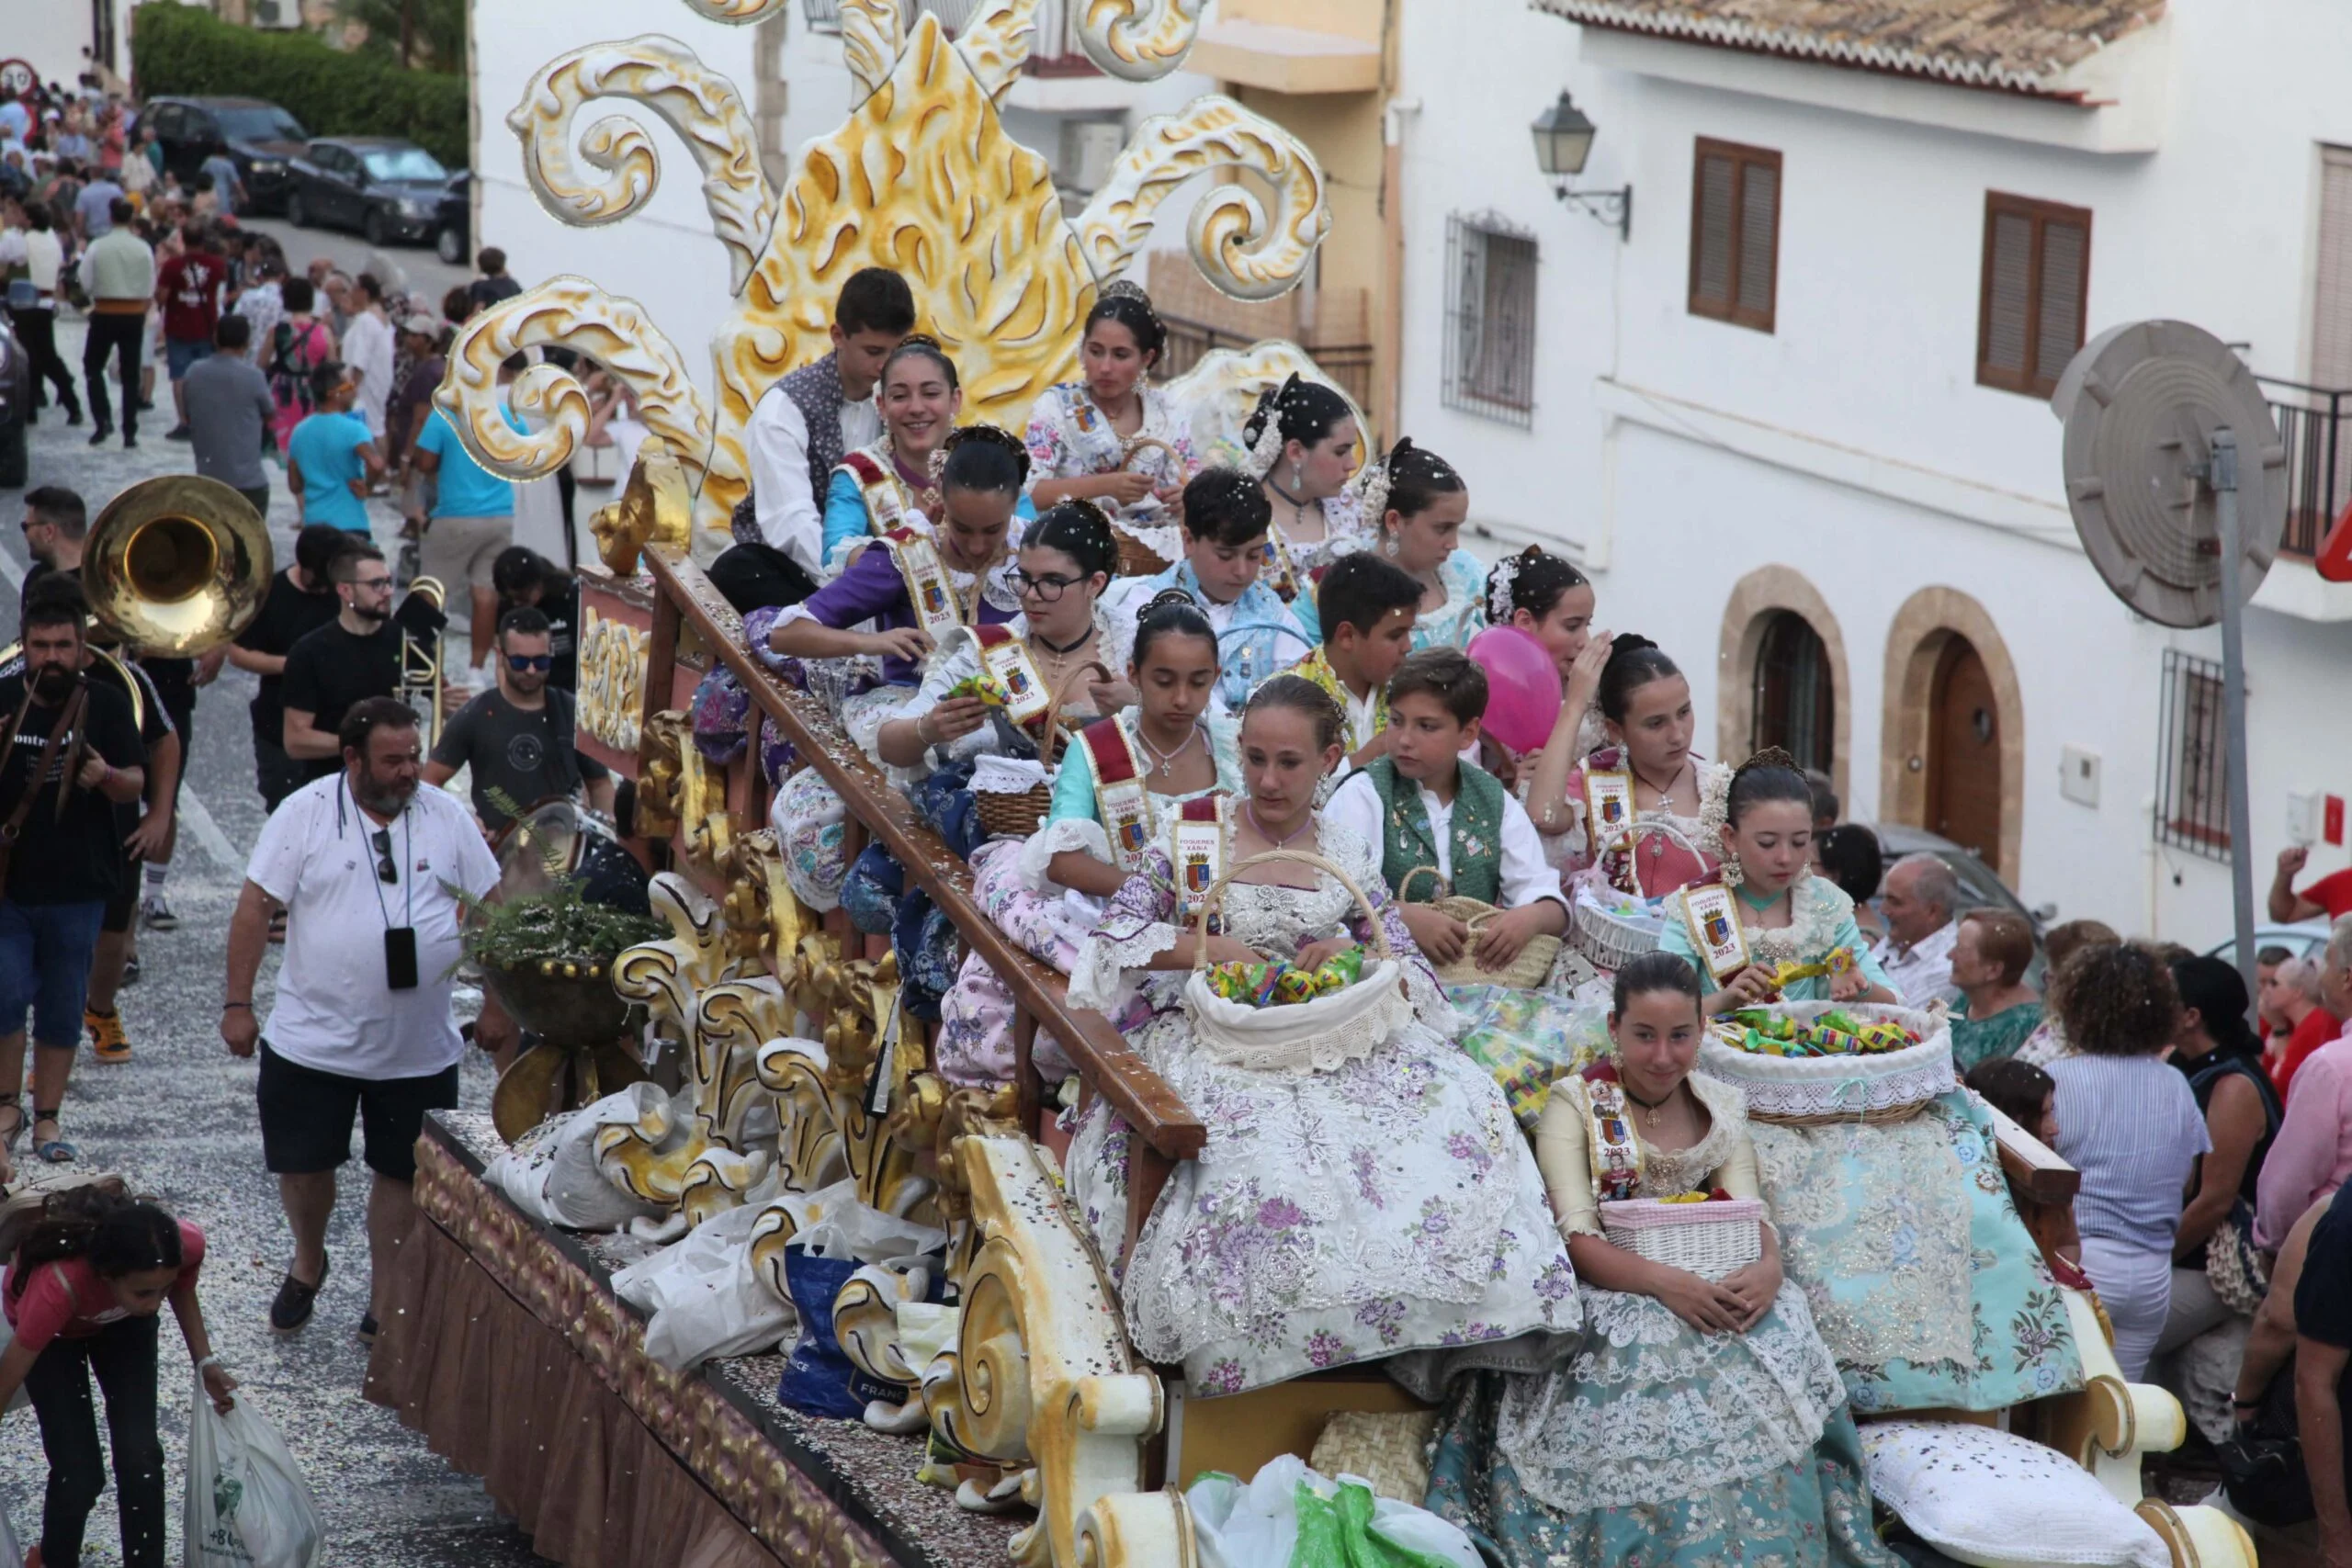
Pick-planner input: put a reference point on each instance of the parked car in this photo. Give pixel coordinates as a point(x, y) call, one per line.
point(15, 408)
point(259, 137)
point(1981, 886)
point(454, 240)
point(2302, 939)
point(386, 188)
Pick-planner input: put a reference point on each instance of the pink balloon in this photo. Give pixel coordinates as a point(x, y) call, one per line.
point(1523, 686)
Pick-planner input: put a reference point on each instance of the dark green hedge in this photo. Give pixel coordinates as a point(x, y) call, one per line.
point(181, 50)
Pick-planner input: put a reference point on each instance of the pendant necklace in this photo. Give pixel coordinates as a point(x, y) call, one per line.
point(1665, 805)
point(1649, 1107)
point(1250, 808)
point(1058, 657)
point(1164, 760)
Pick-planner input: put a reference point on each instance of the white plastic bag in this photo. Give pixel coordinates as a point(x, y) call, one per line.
point(9, 1550)
point(705, 1297)
point(246, 1503)
point(1256, 1525)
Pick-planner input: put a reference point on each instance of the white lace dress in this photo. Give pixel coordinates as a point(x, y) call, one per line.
point(1391, 1204)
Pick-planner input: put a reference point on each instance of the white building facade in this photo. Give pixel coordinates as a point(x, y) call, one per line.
point(1811, 454)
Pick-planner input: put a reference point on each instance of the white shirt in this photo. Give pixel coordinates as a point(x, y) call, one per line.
point(782, 493)
point(1527, 878)
point(44, 258)
point(333, 1010)
point(367, 348)
point(1922, 972)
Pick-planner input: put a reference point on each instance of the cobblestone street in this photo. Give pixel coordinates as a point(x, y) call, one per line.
point(178, 1120)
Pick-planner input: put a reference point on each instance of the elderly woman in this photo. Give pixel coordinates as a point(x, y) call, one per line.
point(1997, 1009)
point(2128, 1121)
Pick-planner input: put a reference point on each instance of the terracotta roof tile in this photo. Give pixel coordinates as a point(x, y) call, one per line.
point(2022, 45)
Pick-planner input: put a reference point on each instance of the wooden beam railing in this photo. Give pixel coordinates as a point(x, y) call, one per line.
point(1105, 1064)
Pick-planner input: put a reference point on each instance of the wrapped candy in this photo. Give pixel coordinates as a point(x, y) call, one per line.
point(1278, 983)
point(1291, 985)
point(985, 686)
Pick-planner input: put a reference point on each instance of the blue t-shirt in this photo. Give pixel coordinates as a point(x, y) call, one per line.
point(467, 488)
point(325, 447)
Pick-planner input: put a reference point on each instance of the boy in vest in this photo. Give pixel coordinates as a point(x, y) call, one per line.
point(1368, 606)
point(1423, 805)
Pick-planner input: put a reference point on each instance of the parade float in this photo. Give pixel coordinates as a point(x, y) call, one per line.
point(1033, 1430)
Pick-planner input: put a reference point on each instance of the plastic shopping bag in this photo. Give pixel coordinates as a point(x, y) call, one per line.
point(1291, 1516)
point(246, 1503)
point(705, 1299)
point(838, 1236)
point(9, 1550)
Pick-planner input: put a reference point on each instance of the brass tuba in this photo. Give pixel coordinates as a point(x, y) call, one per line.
point(177, 566)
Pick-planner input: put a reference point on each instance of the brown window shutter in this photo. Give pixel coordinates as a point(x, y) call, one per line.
point(2332, 301)
point(1711, 245)
point(2058, 327)
point(2008, 294)
point(1759, 223)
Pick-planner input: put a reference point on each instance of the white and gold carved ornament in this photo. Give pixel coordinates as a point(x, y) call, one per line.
point(921, 179)
point(656, 506)
point(650, 1159)
point(611, 678)
point(1042, 1374)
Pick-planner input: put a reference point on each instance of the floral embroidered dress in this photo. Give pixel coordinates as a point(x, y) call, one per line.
point(1011, 880)
point(1670, 850)
point(1921, 1277)
point(1294, 565)
point(1463, 613)
point(1069, 438)
point(1651, 1442)
point(1388, 1205)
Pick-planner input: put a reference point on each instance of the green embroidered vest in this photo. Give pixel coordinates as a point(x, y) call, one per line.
point(1476, 851)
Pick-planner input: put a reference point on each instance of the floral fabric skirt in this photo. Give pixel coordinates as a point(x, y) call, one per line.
point(1655, 1445)
point(976, 1019)
point(1334, 1217)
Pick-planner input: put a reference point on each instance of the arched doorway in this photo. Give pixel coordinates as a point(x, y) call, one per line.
point(1964, 751)
point(1954, 728)
point(1795, 697)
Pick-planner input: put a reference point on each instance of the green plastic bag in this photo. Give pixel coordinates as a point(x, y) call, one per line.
point(1337, 1532)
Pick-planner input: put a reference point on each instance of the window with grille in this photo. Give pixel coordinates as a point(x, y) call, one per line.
point(1795, 706)
point(2035, 292)
point(1735, 233)
point(1490, 321)
point(2192, 789)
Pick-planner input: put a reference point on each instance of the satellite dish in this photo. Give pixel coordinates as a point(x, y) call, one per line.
point(2141, 403)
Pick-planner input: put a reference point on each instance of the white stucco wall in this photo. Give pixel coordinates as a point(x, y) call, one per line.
point(1871, 375)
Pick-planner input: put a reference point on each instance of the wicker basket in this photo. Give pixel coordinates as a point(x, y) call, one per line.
point(1018, 816)
point(1319, 1035)
point(1710, 1239)
point(1609, 940)
point(1138, 558)
point(1525, 973)
point(1821, 1092)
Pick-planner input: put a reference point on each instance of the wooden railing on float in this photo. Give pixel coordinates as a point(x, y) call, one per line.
point(1165, 1131)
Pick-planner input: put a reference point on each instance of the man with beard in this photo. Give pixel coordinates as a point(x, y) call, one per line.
point(354, 657)
point(518, 737)
point(73, 757)
point(302, 600)
point(370, 869)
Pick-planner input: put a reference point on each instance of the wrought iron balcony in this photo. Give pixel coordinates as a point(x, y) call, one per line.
point(2319, 458)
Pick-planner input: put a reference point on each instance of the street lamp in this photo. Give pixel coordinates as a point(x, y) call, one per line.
point(1563, 141)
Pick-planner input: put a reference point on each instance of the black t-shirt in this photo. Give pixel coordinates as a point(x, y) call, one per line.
point(2324, 1295)
point(563, 610)
point(72, 855)
point(519, 756)
point(331, 669)
point(287, 617)
point(488, 291)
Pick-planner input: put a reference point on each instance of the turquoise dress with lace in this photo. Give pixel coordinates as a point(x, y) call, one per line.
point(1921, 1277)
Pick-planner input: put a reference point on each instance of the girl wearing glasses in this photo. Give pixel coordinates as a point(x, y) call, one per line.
point(915, 586)
point(1066, 561)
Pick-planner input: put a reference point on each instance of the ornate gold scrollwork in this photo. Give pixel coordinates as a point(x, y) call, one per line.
point(1042, 1370)
point(661, 772)
point(995, 43)
point(1244, 252)
point(1138, 40)
point(866, 1323)
point(655, 507)
point(764, 919)
point(611, 678)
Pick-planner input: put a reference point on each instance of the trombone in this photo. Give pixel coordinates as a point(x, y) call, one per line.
point(422, 624)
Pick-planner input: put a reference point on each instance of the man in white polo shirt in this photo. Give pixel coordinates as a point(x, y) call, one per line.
point(364, 861)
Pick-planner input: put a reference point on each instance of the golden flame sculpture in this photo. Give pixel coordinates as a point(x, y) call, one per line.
point(921, 179)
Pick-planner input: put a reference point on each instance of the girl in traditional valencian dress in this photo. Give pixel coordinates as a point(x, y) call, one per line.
point(1921, 1277)
point(1550, 600)
point(917, 584)
point(1387, 1204)
point(1303, 444)
point(1647, 769)
point(1418, 504)
point(896, 482)
point(1700, 1421)
point(1114, 438)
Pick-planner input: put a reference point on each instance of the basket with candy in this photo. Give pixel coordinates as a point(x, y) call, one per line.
point(1810, 1064)
point(1274, 1016)
point(1608, 925)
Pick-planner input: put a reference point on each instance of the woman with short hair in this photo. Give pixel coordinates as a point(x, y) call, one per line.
point(2128, 1121)
point(1990, 955)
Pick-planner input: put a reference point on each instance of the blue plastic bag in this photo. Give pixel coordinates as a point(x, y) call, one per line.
point(818, 1379)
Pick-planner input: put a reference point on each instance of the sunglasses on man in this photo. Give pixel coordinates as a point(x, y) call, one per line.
point(524, 663)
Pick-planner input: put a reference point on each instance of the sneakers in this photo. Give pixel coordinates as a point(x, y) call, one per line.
point(179, 433)
point(98, 436)
point(107, 1042)
point(129, 971)
point(156, 914)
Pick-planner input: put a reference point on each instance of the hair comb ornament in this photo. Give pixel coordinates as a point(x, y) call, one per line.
point(1500, 601)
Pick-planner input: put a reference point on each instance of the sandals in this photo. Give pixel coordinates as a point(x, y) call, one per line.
point(53, 1151)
